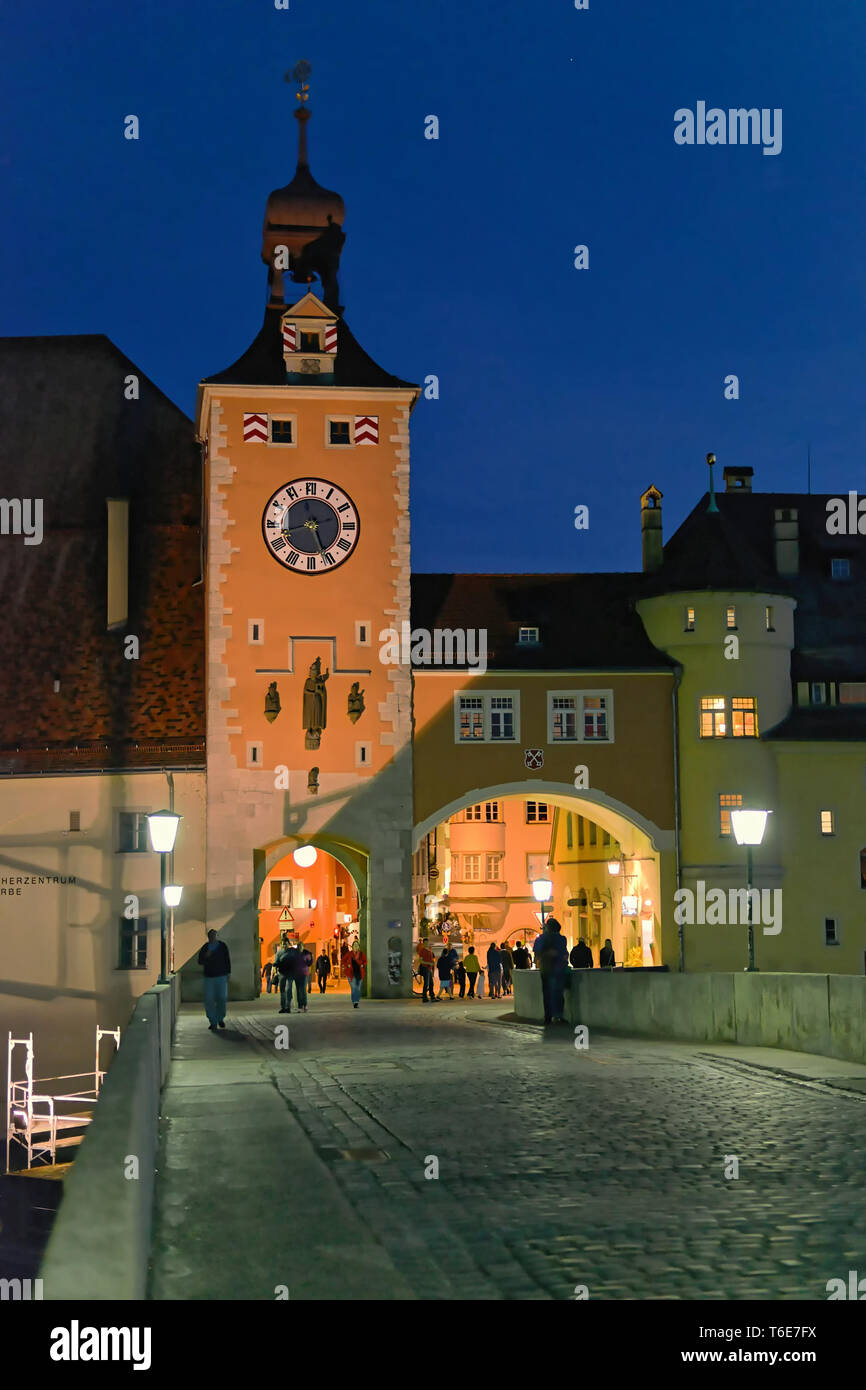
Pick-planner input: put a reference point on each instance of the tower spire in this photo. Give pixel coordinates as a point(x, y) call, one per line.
point(298, 75)
point(712, 505)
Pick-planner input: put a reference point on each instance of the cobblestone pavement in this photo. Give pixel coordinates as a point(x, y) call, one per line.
point(557, 1167)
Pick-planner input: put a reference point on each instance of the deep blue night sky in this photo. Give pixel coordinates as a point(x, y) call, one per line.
point(558, 386)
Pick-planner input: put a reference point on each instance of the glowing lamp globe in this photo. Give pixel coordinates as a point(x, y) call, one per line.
point(749, 826)
point(306, 856)
point(542, 889)
point(162, 826)
point(173, 893)
point(613, 866)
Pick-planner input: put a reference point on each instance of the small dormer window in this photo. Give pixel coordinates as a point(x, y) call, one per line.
point(528, 637)
point(310, 342)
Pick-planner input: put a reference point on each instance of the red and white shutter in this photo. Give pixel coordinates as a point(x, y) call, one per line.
point(330, 337)
point(366, 429)
point(255, 429)
point(290, 336)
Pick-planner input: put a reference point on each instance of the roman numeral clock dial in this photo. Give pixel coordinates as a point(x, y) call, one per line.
point(311, 526)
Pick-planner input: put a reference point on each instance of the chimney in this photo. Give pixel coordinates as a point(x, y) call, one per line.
point(738, 479)
point(651, 530)
point(117, 585)
point(786, 540)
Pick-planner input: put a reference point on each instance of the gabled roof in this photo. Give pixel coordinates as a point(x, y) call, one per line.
point(69, 436)
point(586, 621)
point(309, 306)
point(263, 365)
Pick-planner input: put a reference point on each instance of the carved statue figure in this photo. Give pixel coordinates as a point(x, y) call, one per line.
point(315, 704)
point(272, 703)
point(356, 703)
point(313, 781)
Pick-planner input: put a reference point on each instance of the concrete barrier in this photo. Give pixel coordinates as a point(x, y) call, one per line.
point(822, 1014)
point(100, 1243)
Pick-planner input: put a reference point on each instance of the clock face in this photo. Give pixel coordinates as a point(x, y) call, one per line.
point(310, 526)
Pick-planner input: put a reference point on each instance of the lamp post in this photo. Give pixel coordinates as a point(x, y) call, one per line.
point(162, 826)
point(541, 890)
point(172, 894)
point(749, 827)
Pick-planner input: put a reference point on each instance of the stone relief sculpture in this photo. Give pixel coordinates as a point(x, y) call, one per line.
point(315, 714)
point(356, 703)
point(272, 703)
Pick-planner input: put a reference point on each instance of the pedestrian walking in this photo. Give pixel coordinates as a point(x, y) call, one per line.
point(267, 971)
point(323, 970)
point(580, 956)
point(443, 970)
point(306, 970)
point(288, 967)
point(426, 962)
point(494, 970)
point(217, 962)
point(606, 957)
point(551, 957)
point(472, 965)
point(461, 978)
point(507, 966)
point(521, 957)
point(357, 966)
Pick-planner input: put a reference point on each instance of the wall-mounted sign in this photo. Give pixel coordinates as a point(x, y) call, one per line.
point(597, 905)
point(286, 916)
point(533, 757)
point(629, 905)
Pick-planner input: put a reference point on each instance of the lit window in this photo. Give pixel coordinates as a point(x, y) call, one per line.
point(831, 932)
point(728, 802)
point(132, 954)
point(338, 432)
point(770, 618)
point(564, 718)
point(689, 624)
point(528, 636)
point(281, 892)
point(282, 431)
point(828, 822)
point(852, 693)
point(744, 716)
point(713, 723)
point(132, 837)
point(537, 812)
point(471, 718)
point(819, 693)
point(840, 569)
point(594, 717)
point(731, 616)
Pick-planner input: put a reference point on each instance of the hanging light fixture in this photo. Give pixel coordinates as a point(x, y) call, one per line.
point(305, 856)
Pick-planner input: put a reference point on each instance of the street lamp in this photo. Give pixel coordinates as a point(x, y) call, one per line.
point(749, 827)
point(542, 889)
point(172, 894)
point(614, 866)
point(162, 826)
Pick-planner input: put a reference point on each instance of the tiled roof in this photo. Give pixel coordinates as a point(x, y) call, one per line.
point(69, 436)
point(262, 364)
point(822, 725)
point(585, 621)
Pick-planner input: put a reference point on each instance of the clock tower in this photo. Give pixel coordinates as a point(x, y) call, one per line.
point(306, 450)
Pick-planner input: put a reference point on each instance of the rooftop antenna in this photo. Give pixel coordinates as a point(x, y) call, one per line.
point(712, 506)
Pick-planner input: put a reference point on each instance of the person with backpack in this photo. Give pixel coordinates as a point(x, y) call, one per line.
point(323, 970)
point(551, 956)
point(214, 956)
point(521, 957)
point(289, 967)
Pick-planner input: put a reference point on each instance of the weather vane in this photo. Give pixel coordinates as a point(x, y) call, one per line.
point(299, 74)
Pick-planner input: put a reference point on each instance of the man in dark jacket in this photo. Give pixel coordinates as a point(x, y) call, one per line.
point(323, 970)
point(606, 957)
point(290, 968)
point(551, 957)
point(581, 956)
point(217, 962)
point(521, 957)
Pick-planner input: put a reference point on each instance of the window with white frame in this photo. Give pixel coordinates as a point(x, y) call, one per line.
point(743, 722)
point(728, 802)
point(487, 811)
point(770, 618)
point(536, 867)
point(339, 431)
point(471, 868)
point(831, 931)
point(580, 716)
point(255, 754)
point(493, 868)
point(840, 569)
point(281, 892)
point(362, 633)
point(282, 430)
point(363, 754)
point(256, 631)
point(827, 822)
point(537, 813)
point(132, 944)
point(493, 717)
point(528, 636)
point(730, 616)
point(689, 620)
